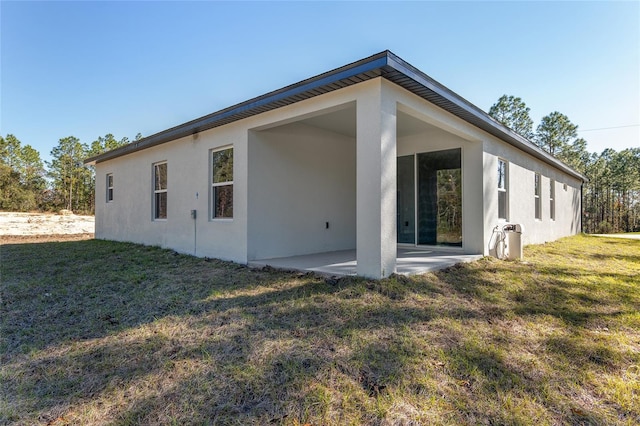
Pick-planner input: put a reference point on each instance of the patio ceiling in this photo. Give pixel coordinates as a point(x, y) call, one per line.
point(343, 122)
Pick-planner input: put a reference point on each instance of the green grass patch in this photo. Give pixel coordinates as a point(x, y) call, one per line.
point(96, 332)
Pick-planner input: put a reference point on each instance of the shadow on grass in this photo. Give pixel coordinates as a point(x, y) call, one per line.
point(484, 370)
point(572, 294)
point(606, 257)
point(58, 292)
point(166, 338)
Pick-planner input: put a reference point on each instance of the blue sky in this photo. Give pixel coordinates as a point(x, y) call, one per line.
point(90, 68)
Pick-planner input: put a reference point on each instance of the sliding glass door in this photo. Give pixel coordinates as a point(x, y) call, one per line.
point(430, 198)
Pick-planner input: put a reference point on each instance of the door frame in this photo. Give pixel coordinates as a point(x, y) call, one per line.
point(415, 204)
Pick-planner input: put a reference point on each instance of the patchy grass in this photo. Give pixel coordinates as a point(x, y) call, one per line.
point(96, 332)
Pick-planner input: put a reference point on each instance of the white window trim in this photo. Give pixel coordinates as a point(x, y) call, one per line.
point(536, 196)
point(552, 199)
point(212, 213)
point(110, 188)
point(158, 191)
point(505, 190)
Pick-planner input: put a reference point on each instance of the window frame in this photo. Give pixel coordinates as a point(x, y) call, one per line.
point(536, 196)
point(552, 199)
point(214, 185)
point(504, 189)
point(109, 185)
point(158, 191)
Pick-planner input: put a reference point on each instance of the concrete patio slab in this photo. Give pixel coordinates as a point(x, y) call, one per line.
point(409, 261)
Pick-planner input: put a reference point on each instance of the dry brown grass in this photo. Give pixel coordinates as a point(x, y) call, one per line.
point(97, 332)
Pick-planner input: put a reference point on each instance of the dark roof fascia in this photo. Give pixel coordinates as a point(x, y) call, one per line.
point(477, 117)
point(255, 106)
point(384, 64)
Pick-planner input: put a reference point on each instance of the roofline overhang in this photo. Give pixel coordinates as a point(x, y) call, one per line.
point(384, 64)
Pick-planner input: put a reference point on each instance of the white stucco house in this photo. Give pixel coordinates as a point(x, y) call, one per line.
point(367, 157)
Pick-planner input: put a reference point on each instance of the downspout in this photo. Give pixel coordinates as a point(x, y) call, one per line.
point(581, 207)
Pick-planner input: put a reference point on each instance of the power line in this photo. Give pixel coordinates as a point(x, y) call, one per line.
point(608, 128)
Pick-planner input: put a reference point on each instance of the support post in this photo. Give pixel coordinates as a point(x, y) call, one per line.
point(376, 185)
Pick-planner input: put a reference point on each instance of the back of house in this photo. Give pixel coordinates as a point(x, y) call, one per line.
point(370, 157)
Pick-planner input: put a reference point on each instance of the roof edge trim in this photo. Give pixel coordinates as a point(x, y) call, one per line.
point(376, 65)
point(372, 63)
point(506, 133)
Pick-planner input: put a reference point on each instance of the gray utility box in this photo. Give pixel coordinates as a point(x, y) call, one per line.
point(513, 233)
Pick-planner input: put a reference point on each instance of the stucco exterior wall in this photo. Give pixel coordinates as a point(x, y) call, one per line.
point(451, 132)
point(300, 178)
point(480, 180)
point(376, 187)
point(521, 201)
point(129, 216)
point(291, 178)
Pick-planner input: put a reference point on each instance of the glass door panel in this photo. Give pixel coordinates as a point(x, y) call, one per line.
point(449, 231)
point(406, 200)
point(439, 198)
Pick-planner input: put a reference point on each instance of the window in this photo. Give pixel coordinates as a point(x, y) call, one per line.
point(502, 190)
point(552, 199)
point(160, 191)
point(537, 196)
point(222, 183)
point(109, 187)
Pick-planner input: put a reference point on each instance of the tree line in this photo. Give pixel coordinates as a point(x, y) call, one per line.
point(29, 184)
point(611, 197)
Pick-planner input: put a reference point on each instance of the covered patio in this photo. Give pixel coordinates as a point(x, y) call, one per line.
point(409, 261)
point(334, 190)
point(373, 182)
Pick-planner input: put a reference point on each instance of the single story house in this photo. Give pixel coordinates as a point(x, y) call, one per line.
point(367, 157)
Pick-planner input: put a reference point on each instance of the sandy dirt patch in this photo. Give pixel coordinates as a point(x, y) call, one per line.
point(41, 227)
point(634, 236)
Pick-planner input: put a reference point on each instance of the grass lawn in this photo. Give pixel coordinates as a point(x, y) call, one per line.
point(96, 332)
